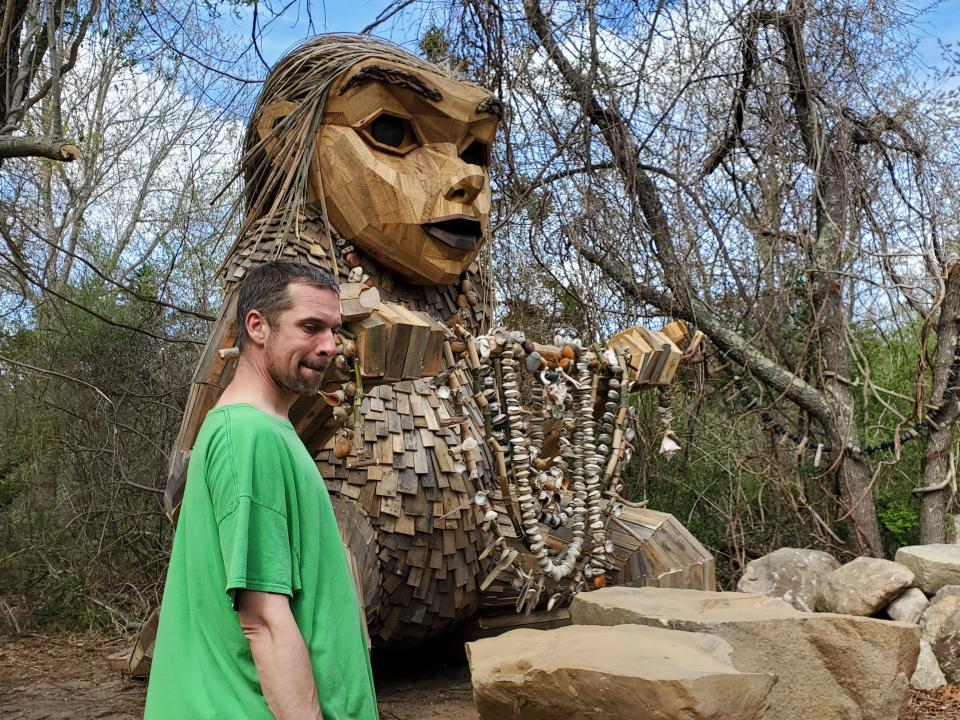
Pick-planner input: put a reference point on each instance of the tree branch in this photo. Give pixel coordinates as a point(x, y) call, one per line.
point(35, 146)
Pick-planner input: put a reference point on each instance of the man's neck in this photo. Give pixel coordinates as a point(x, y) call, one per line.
point(255, 387)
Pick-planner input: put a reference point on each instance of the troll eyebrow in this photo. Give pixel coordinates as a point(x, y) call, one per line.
point(492, 105)
point(391, 76)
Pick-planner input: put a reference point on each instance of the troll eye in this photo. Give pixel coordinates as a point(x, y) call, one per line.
point(476, 153)
point(390, 132)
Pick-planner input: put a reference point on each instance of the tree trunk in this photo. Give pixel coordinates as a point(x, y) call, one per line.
point(938, 464)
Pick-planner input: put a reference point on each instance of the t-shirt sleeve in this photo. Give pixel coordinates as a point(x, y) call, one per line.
point(249, 474)
point(255, 545)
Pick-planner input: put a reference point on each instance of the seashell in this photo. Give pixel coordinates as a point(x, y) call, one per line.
point(480, 499)
point(472, 298)
point(669, 445)
point(596, 525)
point(333, 399)
point(552, 602)
point(599, 581)
point(343, 443)
point(355, 275)
point(466, 285)
point(459, 467)
point(350, 389)
point(534, 362)
point(490, 515)
point(617, 509)
point(341, 413)
point(608, 547)
point(469, 444)
point(483, 350)
point(443, 392)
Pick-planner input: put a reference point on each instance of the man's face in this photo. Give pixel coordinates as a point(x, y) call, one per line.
point(403, 156)
point(299, 343)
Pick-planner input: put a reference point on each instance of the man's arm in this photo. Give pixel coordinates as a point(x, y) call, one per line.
point(283, 664)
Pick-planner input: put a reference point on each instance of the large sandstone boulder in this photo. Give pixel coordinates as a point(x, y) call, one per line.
point(792, 574)
point(928, 675)
point(863, 586)
point(940, 626)
point(829, 666)
point(933, 565)
point(908, 606)
point(612, 673)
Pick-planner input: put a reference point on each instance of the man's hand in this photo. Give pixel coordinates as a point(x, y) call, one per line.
point(283, 664)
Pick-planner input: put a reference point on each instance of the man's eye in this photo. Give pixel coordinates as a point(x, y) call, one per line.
point(476, 153)
point(391, 133)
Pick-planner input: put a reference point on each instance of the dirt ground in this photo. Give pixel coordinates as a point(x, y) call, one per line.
point(61, 678)
point(66, 678)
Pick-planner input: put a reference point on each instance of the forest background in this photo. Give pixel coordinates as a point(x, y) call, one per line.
point(781, 174)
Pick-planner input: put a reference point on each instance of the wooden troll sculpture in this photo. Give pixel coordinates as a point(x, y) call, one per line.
point(460, 485)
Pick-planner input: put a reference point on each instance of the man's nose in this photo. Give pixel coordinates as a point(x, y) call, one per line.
point(326, 344)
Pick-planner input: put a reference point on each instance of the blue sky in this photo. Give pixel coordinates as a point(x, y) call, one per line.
point(942, 23)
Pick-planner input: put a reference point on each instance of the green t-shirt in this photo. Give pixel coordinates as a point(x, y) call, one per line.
point(255, 515)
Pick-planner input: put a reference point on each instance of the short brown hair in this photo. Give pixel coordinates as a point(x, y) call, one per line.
point(264, 288)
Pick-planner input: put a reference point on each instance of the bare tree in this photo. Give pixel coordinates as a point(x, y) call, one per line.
point(761, 170)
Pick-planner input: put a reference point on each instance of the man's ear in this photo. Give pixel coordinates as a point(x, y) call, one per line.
point(257, 326)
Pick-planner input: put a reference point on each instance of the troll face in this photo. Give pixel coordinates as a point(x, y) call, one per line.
point(402, 166)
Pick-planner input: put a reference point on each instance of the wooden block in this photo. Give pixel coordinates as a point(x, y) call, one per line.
point(372, 338)
point(357, 301)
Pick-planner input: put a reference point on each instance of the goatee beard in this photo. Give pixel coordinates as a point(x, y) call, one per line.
point(298, 385)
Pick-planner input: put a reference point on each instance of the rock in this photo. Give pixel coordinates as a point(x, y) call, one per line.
point(933, 565)
point(940, 626)
point(829, 666)
point(792, 574)
point(614, 673)
point(863, 586)
point(928, 675)
point(908, 606)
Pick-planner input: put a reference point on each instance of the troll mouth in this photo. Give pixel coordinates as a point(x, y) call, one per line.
point(461, 232)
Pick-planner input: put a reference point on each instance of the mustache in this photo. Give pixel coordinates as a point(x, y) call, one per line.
point(317, 365)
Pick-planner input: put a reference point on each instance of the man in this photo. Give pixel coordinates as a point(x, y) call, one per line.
point(260, 616)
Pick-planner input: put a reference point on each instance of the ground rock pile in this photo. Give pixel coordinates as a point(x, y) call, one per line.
point(827, 665)
point(920, 587)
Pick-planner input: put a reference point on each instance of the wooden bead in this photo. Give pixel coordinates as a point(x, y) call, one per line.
point(462, 301)
point(352, 259)
point(472, 298)
point(466, 286)
point(599, 581)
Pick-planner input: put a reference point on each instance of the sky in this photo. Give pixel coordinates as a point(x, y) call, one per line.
point(941, 23)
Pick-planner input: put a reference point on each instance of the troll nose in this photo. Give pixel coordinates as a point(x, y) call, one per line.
point(465, 185)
